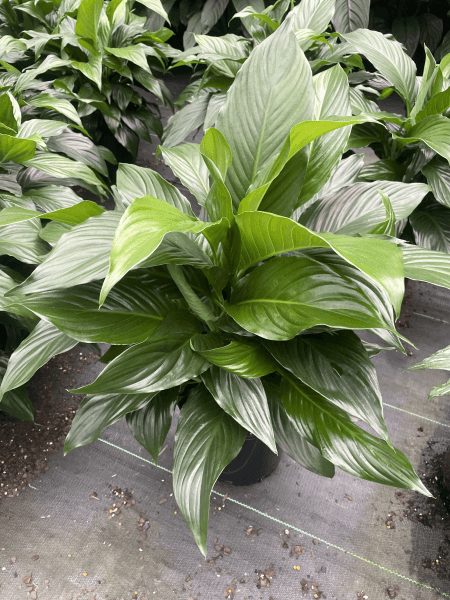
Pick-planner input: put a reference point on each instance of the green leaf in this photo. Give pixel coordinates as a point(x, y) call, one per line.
point(262, 106)
point(431, 227)
point(61, 167)
point(349, 16)
point(311, 14)
point(388, 226)
point(359, 208)
point(16, 149)
point(150, 424)
point(156, 6)
point(71, 215)
point(385, 169)
point(92, 69)
point(438, 104)
point(8, 121)
point(59, 104)
point(53, 231)
point(206, 441)
point(217, 156)
point(134, 54)
point(332, 98)
point(88, 18)
point(97, 412)
point(43, 127)
point(44, 342)
point(141, 230)
point(17, 404)
point(389, 59)
point(288, 295)
point(163, 361)
point(136, 182)
point(406, 30)
point(344, 175)
point(22, 241)
point(341, 442)
point(437, 173)
point(89, 246)
point(131, 313)
point(242, 358)
point(79, 148)
point(188, 165)
point(185, 121)
point(426, 265)
point(288, 436)
point(243, 399)
point(438, 360)
point(212, 11)
point(263, 235)
point(336, 365)
point(434, 131)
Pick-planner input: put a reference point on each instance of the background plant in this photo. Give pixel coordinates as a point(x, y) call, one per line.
point(97, 54)
point(244, 309)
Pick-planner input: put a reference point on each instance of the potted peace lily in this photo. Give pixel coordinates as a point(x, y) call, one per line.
point(248, 308)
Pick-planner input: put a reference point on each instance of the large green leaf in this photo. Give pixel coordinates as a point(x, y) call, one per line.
point(89, 247)
point(188, 165)
point(157, 6)
point(79, 148)
point(16, 402)
point(242, 358)
point(131, 313)
point(243, 399)
point(59, 104)
point(43, 127)
point(22, 241)
point(289, 438)
point(206, 441)
point(88, 18)
point(350, 15)
point(434, 131)
point(344, 175)
point(272, 92)
point(186, 120)
point(438, 360)
point(136, 182)
point(438, 104)
point(359, 208)
point(44, 342)
point(163, 361)
point(134, 54)
point(311, 14)
point(389, 58)
point(332, 98)
point(97, 412)
point(406, 30)
point(141, 230)
point(151, 423)
point(287, 295)
point(426, 265)
point(61, 167)
point(16, 149)
point(91, 69)
point(53, 197)
point(341, 442)
point(71, 215)
point(262, 235)
point(437, 172)
point(432, 227)
point(338, 367)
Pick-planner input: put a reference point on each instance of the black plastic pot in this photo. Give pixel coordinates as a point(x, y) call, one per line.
point(254, 463)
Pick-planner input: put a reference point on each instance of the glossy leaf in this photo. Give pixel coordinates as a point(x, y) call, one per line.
point(283, 297)
point(16, 149)
point(79, 148)
point(311, 14)
point(60, 167)
point(289, 438)
point(206, 441)
point(431, 227)
point(186, 120)
point(59, 104)
point(426, 265)
point(349, 15)
point(141, 230)
point(255, 119)
point(340, 441)
point(151, 423)
point(389, 59)
point(131, 313)
point(22, 241)
point(44, 342)
point(437, 172)
point(243, 399)
point(97, 412)
point(434, 131)
point(359, 208)
point(88, 18)
point(73, 215)
point(241, 358)
point(336, 366)
point(163, 361)
point(406, 30)
point(188, 165)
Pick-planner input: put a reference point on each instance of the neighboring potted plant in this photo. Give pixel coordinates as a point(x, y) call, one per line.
point(250, 309)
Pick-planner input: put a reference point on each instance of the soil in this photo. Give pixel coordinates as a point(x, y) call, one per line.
point(25, 445)
point(430, 512)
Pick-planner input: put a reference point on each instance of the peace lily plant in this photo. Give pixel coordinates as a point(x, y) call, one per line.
point(248, 313)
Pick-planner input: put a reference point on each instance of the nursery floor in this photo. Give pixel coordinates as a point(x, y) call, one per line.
point(352, 538)
point(343, 538)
